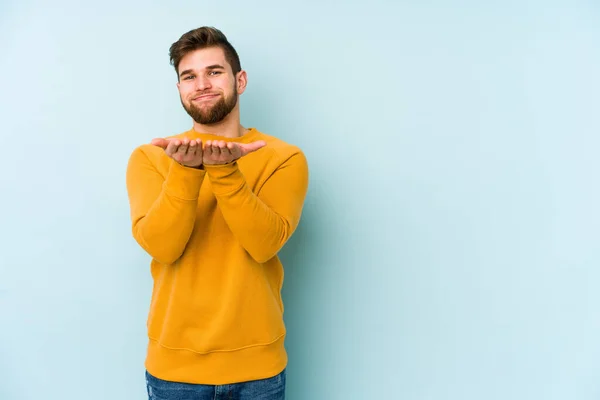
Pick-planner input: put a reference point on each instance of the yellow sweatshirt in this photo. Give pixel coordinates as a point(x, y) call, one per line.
point(216, 314)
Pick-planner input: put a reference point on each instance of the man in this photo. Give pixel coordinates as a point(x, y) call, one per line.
point(213, 206)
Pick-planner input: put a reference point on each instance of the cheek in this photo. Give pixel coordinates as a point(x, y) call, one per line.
point(224, 83)
point(185, 92)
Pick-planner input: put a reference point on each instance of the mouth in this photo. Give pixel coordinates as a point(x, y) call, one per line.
point(205, 97)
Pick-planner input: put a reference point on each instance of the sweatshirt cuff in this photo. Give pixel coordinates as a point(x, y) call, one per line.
point(184, 182)
point(225, 178)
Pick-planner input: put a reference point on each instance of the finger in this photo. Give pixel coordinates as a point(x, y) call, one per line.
point(172, 147)
point(234, 149)
point(180, 154)
point(182, 150)
point(223, 148)
point(208, 151)
point(216, 148)
point(192, 148)
point(215, 151)
point(227, 153)
point(198, 145)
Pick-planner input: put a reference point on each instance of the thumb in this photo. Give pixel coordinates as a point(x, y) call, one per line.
point(250, 147)
point(160, 142)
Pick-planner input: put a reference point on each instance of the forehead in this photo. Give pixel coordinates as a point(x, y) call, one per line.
point(202, 58)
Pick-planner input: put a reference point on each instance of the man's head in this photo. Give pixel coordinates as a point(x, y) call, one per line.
point(209, 74)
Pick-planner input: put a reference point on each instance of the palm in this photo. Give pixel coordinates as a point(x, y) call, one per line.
point(221, 152)
point(186, 152)
point(191, 153)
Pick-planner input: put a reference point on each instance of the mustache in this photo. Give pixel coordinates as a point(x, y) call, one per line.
point(200, 94)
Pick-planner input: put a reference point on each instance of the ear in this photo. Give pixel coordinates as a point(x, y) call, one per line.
point(241, 81)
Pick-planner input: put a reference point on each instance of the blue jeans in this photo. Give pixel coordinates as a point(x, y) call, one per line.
point(262, 389)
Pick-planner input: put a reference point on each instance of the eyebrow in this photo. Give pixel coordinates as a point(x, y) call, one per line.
point(210, 67)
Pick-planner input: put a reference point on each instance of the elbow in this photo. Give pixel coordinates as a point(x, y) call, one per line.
point(159, 252)
point(164, 258)
point(266, 251)
point(262, 256)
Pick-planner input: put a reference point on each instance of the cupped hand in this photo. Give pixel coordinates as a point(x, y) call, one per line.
point(218, 152)
point(185, 151)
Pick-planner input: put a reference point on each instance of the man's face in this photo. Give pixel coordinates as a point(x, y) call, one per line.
point(207, 87)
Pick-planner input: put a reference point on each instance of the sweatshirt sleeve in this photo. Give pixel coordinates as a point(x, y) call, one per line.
point(262, 222)
point(163, 208)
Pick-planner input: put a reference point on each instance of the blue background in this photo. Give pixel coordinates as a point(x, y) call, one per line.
point(449, 247)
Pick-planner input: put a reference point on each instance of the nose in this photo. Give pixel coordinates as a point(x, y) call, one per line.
point(202, 83)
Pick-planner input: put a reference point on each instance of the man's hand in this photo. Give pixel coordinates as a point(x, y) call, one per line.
point(220, 152)
point(186, 152)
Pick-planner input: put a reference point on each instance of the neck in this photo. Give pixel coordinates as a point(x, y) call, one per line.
point(229, 127)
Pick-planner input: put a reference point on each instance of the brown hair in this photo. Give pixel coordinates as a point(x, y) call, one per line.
point(201, 38)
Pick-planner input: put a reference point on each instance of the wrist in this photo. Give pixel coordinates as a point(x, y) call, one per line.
point(200, 167)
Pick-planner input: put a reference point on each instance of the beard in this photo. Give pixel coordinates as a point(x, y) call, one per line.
point(214, 114)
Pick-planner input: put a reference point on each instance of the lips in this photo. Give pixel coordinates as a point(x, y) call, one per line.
point(207, 96)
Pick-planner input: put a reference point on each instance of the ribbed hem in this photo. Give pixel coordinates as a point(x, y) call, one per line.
point(217, 368)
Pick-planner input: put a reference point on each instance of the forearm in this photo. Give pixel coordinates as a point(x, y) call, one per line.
point(163, 210)
point(262, 223)
point(165, 230)
point(258, 228)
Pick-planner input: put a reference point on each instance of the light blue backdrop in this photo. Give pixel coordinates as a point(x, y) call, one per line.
point(450, 242)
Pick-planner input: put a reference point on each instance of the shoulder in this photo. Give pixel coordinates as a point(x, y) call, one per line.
point(146, 153)
point(152, 153)
point(280, 150)
point(149, 158)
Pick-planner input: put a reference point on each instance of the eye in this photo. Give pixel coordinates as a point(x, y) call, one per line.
point(215, 72)
point(187, 78)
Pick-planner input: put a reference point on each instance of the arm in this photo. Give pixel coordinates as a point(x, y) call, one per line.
point(262, 222)
point(163, 209)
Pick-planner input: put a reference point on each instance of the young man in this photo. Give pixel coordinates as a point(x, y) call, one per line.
point(213, 206)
